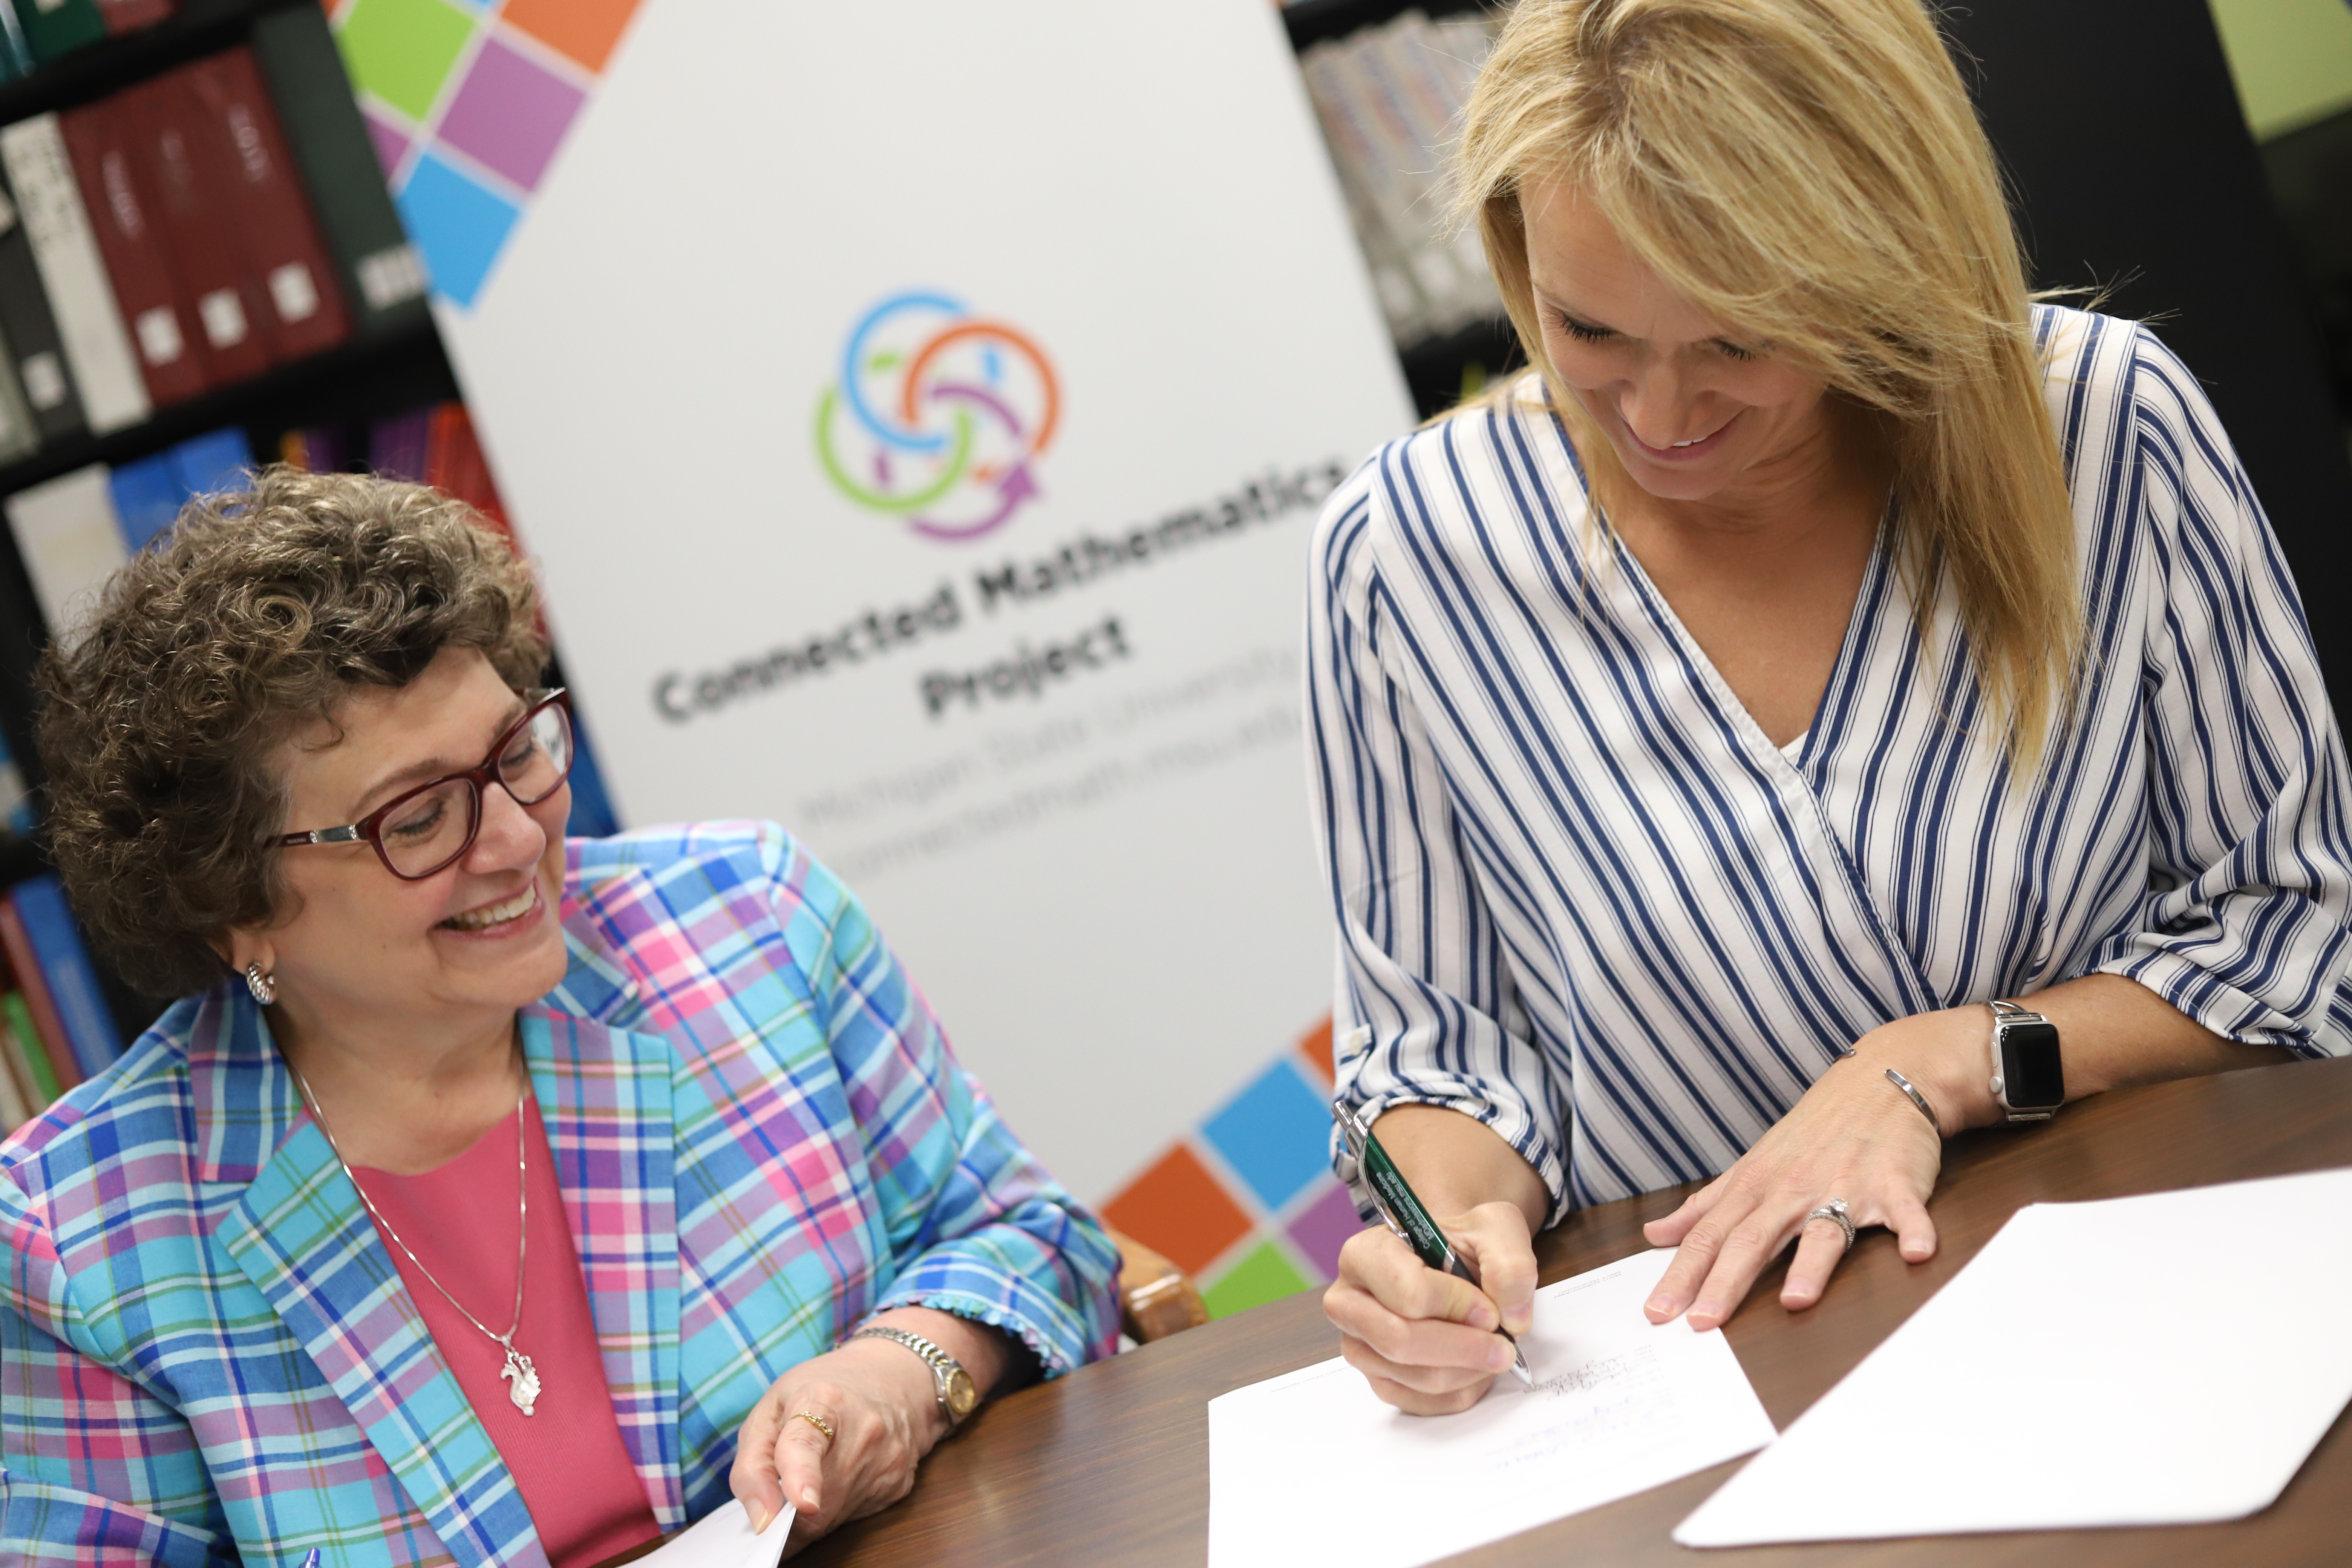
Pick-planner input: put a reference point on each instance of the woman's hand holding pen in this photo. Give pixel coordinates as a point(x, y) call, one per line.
point(1425, 1340)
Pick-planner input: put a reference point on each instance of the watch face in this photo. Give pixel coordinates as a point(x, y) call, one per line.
point(963, 1396)
point(2031, 1073)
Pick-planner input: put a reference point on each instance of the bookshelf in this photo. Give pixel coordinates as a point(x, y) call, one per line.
point(390, 367)
point(199, 27)
point(1441, 368)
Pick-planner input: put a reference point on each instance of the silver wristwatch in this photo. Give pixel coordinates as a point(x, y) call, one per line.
point(2029, 1080)
point(958, 1395)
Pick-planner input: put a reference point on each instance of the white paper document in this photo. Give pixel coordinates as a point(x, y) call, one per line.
point(723, 1539)
point(1311, 1467)
point(2162, 1360)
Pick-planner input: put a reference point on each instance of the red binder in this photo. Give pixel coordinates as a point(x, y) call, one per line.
point(262, 193)
point(129, 16)
point(166, 125)
point(163, 332)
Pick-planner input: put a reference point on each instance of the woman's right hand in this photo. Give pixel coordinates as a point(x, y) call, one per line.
point(1426, 1341)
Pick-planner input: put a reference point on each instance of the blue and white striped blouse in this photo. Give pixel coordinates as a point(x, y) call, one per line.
point(1584, 899)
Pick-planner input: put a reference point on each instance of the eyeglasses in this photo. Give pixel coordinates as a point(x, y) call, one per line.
point(430, 827)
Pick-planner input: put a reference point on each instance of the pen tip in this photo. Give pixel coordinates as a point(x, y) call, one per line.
point(1527, 1379)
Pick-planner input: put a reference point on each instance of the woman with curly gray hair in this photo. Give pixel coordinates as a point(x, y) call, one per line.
point(485, 1197)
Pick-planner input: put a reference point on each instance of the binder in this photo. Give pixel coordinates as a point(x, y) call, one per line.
point(55, 30)
point(89, 326)
point(217, 460)
point(40, 906)
point(146, 498)
point(196, 228)
point(70, 541)
point(171, 357)
point(259, 194)
point(122, 16)
point(35, 353)
point(381, 273)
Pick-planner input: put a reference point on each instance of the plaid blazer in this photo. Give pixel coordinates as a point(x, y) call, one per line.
point(206, 1356)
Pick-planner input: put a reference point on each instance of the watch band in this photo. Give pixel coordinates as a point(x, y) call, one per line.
point(945, 1369)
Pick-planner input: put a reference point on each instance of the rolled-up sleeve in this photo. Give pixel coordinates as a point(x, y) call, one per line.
point(975, 1225)
point(1425, 1011)
point(2243, 927)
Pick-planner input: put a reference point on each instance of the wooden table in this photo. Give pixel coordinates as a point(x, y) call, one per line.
point(1110, 1465)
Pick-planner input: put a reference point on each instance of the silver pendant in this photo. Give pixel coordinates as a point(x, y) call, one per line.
point(523, 1381)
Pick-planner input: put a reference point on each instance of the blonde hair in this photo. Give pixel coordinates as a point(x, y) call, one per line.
point(1811, 174)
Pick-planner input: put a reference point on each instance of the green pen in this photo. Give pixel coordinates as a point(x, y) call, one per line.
point(1410, 1222)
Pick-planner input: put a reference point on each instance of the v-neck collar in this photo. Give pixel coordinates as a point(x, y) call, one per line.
point(1834, 710)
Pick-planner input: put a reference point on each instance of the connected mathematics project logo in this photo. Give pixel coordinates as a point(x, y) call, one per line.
point(938, 417)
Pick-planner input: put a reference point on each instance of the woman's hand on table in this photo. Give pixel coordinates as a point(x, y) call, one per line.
point(1425, 1340)
point(884, 1409)
point(1855, 1136)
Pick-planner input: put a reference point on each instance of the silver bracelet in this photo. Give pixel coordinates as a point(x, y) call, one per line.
point(1911, 1089)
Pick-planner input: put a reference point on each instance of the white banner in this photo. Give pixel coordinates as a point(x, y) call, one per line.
point(920, 412)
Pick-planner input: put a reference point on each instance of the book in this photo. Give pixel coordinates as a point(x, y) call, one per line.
point(396, 446)
point(56, 28)
point(40, 905)
point(150, 493)
point(122, 16)
point(259, 193)
point(318, 449)
point(70, 540)
point(172, 356)
point(16, 1091)
point(208, 464)
point(454, 465)
point(28, 1058)
point(90, 325)
point(33, 352)
point(197, 229)
point(42, 1024)
point(381, 273)
point(1388, 98)
point(146, 498)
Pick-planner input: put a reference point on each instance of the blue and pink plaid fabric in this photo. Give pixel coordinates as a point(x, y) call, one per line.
point(206, 1356)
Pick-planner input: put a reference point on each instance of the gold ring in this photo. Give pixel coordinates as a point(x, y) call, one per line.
point(813, 1419)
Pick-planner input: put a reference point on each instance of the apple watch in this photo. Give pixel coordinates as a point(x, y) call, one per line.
point(2028, 1080)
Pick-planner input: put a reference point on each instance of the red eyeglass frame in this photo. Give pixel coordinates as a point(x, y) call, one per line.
point(370, 828)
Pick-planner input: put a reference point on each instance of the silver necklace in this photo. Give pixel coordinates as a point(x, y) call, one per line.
point(521, 1378)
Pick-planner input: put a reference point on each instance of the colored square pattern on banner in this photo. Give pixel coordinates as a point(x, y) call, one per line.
point(1245, 1204)
point(468, 103)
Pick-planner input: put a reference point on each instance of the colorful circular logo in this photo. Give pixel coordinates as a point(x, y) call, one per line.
point(938, 417)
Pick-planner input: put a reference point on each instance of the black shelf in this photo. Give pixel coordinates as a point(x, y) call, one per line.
point(1312, 21)
point(389, 373)
point(199, 27)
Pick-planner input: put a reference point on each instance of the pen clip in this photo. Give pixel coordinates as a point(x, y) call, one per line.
point(1358, 1140)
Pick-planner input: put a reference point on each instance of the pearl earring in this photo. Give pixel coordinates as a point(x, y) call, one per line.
point(263, 986)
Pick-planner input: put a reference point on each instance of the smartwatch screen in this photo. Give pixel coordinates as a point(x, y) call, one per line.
point(2030, 1068)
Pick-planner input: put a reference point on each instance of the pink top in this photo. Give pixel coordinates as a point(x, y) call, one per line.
point(566, 1457)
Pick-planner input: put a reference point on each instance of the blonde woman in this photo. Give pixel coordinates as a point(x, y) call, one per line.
point(1821, 646)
